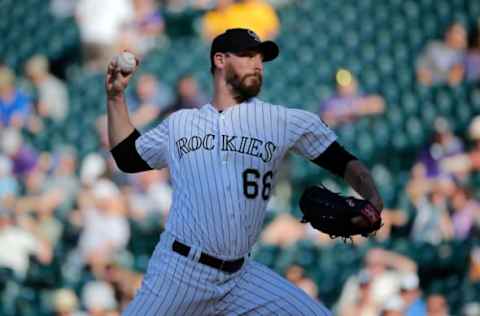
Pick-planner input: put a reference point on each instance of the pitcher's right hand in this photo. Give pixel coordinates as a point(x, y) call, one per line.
point(116, 82)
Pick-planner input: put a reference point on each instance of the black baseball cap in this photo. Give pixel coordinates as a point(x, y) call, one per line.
point(239, 40)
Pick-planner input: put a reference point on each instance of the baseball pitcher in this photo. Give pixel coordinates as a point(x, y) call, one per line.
point(223, 160)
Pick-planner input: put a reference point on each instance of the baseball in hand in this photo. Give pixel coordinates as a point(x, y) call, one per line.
point(126, 62)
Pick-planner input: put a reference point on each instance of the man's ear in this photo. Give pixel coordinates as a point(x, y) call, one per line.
point(219, 60)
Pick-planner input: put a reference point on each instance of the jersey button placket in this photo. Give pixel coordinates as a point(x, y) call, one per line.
point(223, 155)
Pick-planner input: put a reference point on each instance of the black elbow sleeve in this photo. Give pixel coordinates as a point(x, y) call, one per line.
point(335, 159)
point(127, 157)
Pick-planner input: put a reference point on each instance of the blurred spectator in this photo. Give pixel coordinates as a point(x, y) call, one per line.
point(51, 183)
point(65, 303)
point(464, 163)
point(394, 306)
point(444, 144)
point(100, 24)
point(432, 222)
point(38, 204)
point(471, 309)
point(437, 305)
point(465, 211)
point(45, 224)
point(188, 95)
point(412, 296)
point(442, 61)
point(419, 184)
point(23, 157)
point(260, 17)
point(472, 59)
point(392, 219)
point(284, 231)
point(9, 186)
point(17, 245)
point(348, 104)
point(52, 95)
point(385, 269)
point(33, 184)
point(151, 195)
point(105, 227)
point(99, 299)
point(125, 283)
point(474, 155)
point(256, 15)
point(364, 305)
point(92, 168)
point(142, 33)
point(221, 18)
point(148, 100)
point(62, 179)
point(15, 106)
point(474, 265)
point(296, 275)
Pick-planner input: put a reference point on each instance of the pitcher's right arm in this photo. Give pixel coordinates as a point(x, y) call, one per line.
point(119, 124)
point(121, 132)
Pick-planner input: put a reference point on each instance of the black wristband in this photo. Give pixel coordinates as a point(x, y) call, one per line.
point(335, 159)
point(127, 157)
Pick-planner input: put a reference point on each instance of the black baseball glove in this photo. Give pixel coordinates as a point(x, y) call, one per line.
point(339, 216)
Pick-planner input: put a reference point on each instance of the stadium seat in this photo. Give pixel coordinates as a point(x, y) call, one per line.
point(415, 130)
point(423, 253)
point(267, 254)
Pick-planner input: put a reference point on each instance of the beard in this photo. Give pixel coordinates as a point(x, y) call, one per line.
point(242, 88)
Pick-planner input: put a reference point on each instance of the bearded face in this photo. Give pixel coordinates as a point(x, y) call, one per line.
point(244, 86)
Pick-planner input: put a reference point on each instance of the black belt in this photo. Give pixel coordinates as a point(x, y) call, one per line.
point(227, 266)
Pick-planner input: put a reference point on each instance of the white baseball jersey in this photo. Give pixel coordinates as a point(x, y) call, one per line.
point(223, 167)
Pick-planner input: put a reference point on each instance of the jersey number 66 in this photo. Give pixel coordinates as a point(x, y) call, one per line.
point(251, 187)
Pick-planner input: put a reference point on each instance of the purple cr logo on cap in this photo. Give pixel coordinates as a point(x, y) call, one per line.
point(255, 36)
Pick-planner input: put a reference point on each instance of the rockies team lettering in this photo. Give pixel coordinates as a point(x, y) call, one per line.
point(224, 168)
point(241, 144)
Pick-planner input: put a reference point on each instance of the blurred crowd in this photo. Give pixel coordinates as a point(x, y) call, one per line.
point(82, 231)
point(76, 214)
point(440, 201)
point(448, 61)
point(452, 59)
point(140, 25)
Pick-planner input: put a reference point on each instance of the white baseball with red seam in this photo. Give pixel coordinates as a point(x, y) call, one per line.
point(126, 62)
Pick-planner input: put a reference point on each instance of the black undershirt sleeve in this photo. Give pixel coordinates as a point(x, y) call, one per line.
point(335, 159)
point(127, 157)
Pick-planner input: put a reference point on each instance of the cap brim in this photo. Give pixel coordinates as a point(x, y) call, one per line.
point(268, 49)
